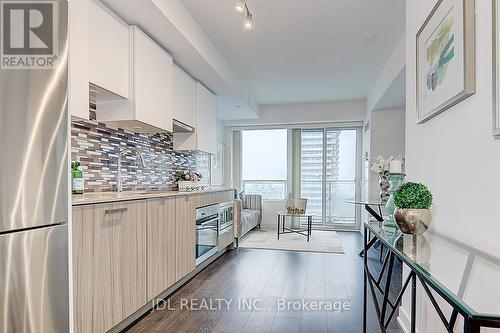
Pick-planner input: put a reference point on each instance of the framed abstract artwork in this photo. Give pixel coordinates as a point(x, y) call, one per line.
point(446, 61)
point(496, 68)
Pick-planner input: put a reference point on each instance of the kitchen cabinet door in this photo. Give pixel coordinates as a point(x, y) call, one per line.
point(185, 229)
point(109, 262)
point(78, 58)
point(184, 88)
point(161, 245)
point(150, 108)
point(206, 127)
point(109, 50)
point(226, 238)
point(153, 82)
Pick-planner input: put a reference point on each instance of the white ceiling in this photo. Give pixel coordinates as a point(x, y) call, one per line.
point(304, 50)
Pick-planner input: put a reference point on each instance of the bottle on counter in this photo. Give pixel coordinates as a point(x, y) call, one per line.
point(78, 182)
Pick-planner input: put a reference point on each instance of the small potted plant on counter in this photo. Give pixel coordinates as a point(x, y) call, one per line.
point(413, 202)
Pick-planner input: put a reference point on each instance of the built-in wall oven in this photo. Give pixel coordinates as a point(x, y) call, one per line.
point(207, 232)
point(226, 216)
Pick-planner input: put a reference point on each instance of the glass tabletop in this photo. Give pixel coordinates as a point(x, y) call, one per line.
point(374, 202)
point(468, 276)
point(284, 213)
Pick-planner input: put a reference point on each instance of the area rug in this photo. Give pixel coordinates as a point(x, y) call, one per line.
point(320, 241)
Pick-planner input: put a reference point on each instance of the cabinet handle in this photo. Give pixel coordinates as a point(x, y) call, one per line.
point(115, 211)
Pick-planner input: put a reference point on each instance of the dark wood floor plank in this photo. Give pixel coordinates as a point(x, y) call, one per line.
point(315, 282)
point(286, 325)
point(271, 277)
point(313, 321)
point(260, 322)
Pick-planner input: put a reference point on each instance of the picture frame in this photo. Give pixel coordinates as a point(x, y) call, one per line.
point(496, 67)
point(446, 59)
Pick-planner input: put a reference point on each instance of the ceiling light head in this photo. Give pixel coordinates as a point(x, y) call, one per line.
point(248, 23)
point(240, 7)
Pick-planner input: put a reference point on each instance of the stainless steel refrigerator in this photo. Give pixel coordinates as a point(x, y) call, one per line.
point(34, 189)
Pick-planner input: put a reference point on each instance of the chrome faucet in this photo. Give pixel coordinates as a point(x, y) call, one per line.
point(122, 153)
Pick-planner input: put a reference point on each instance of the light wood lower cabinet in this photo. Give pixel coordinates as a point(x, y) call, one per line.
point(226, 238)
point(161, 245)
point(127, 253)
point(109, 262)
point(185, 254)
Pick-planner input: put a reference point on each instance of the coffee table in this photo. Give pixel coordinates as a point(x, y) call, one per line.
point(282, 215)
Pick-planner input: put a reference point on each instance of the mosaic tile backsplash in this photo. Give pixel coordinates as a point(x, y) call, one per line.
point(96, 146)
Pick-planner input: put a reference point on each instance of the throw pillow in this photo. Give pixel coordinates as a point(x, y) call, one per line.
point(243, 198)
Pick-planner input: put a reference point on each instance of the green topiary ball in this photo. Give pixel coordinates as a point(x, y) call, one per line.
point(413, 195)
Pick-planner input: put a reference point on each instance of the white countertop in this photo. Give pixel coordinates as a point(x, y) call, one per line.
point(105, 197)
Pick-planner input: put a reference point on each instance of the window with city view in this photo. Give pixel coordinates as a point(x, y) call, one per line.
point(328, 174)
point(264, 163)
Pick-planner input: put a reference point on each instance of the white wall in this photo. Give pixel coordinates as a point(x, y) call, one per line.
point(392, 68)
point(455, 153)
point(387, 137)
point(306, 113)
point(365, 172)
point(269, 209)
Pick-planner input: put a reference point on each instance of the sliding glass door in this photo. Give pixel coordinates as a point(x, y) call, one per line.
point(328, 175)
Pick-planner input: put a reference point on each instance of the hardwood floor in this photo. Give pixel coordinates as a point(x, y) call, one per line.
point(269, 278)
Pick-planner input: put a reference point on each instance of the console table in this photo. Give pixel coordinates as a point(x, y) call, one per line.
point(467, 279)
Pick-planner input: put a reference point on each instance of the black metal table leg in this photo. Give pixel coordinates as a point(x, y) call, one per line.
point(387, 285)
point(374, 213)
point(471, 326)
point(309, 226)
point(414, 304)
point(381, 252)
point(365, 238)
point(278, 226)
point(378, 217)
point(369, 245)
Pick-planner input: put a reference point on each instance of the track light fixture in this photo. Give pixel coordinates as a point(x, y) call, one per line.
point(248, 23)
point(242, 8)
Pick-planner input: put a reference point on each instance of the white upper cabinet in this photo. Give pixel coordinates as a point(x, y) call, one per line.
point(150, 108)
point(109, 50)
point(184, 97)
point(153, 84)
point(204, 138)
point(206, 119)
point(78, 58)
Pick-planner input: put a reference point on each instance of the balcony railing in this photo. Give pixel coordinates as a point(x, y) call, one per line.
point(269, 189)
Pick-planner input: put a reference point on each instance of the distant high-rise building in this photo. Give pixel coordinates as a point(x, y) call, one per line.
point(313, 148)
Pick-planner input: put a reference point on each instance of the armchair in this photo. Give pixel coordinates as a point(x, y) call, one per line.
point(247, 215)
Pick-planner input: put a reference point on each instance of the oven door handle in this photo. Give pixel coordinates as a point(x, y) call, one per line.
point(225, 226)
point(207, 222)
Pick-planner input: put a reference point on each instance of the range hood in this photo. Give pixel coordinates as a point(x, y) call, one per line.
point(180, 127)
